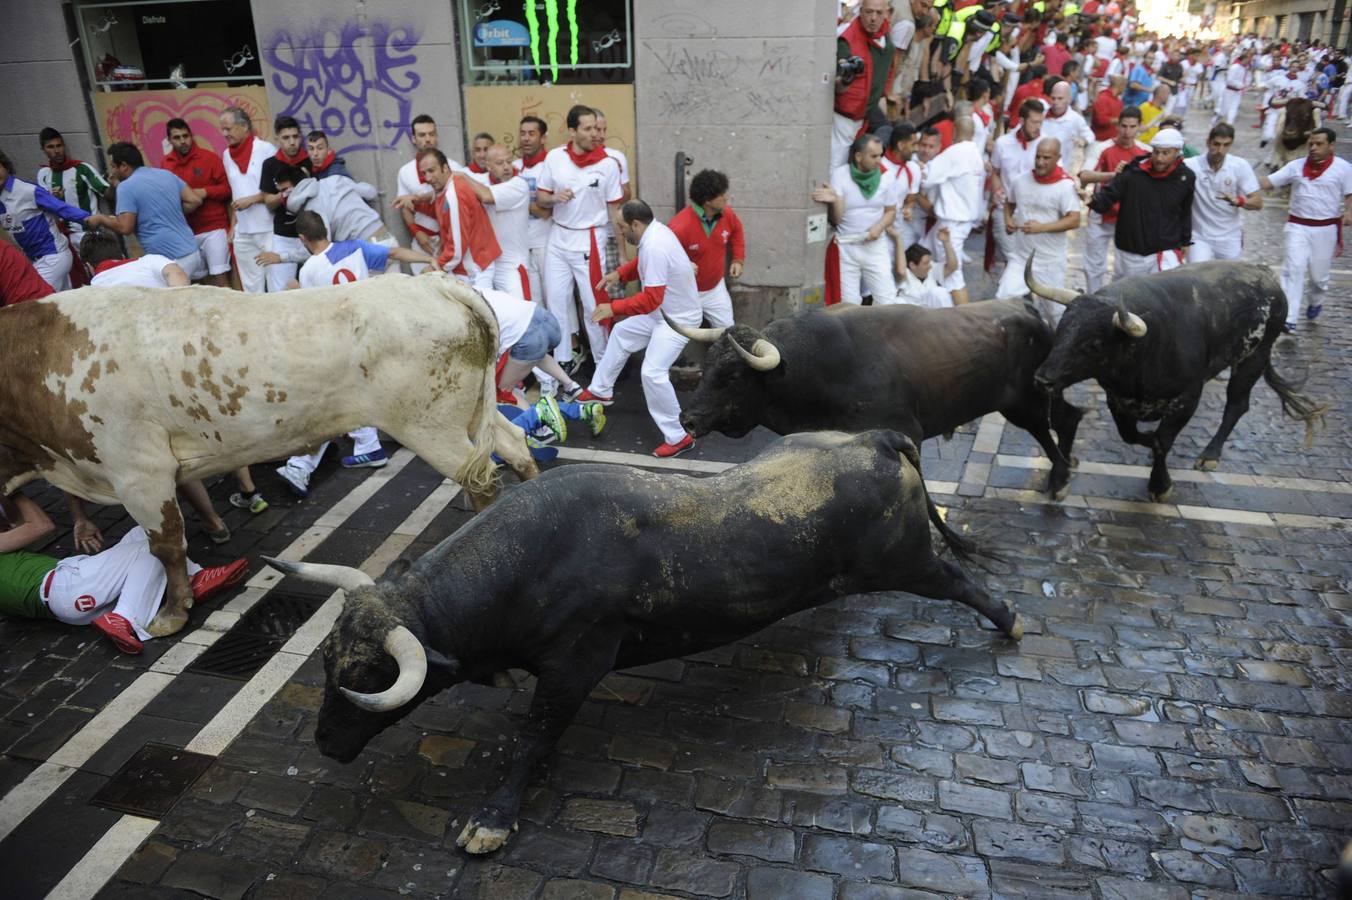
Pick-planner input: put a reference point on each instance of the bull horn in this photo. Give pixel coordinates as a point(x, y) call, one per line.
point(1054, 294)
point(408, 652)
point(702, 335)
point(1128, 321)
point(344, 577)
point(763, 355)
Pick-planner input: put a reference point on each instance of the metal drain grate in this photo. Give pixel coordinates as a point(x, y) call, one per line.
point(150, 783)
point(257, 636)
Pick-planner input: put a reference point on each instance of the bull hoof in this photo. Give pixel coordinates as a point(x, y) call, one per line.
point(1059, 493)
point(1074, 462)
point(168, 622)
point(479, 839)
point(1206, 464)
point(1016, 630)
point(1160, 496)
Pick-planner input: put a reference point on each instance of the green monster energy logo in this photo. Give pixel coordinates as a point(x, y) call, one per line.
point(552, 18)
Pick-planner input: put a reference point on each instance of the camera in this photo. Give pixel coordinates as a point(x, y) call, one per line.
point(849, 68)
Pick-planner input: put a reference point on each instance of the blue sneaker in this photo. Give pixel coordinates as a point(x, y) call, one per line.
point(1313, 310)
point(373, 460)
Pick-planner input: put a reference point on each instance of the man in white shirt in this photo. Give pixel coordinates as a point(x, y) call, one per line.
point(668, 279)
point(958, 173)
point(530, 140)
point(909, 225)
point(418, 211)
point(1192, 75)
point(1012, 157)
point(1067, 126)
point(507, 198)
point(1321, 205)
point(1283, 87)
point(916, 283)
point(617, 155)
point(580, 183)
point(251, 228)
point(1043, 206)
point(107, 267)
point(862, 204)
point(1228, 100)
point(1226, 186)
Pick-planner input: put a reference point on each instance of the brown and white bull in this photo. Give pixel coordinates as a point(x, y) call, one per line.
point(117, 395)
point(1297, 119)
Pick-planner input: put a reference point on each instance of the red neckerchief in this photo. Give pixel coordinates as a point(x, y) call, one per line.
point(293, 160)
point(476, 168)
point(582, 160)
point(528, 162)
point(900, 164)
point(318, 167)
point(1018, 136)
point(1313, 170)
point(1149, 170)
point(1052, 115)
point(1056, 175)
point(66, 166)
point(985, 117)
point(110, 264)
point(241, 152)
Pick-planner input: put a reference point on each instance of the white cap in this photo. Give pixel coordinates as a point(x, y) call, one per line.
point(1167, 138)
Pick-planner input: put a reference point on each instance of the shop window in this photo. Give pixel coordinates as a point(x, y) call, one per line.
point(547, 41)
point(179, 44)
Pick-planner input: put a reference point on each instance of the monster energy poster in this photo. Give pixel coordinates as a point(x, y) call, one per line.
point(550, 41)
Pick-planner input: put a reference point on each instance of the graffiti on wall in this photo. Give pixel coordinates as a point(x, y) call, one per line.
point(354, 81)
point(140, 116)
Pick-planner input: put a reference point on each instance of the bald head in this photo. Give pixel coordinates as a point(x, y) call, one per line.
point(498, 162)
point(1117, 84)
point(1048, 157)
point(963, 129)
point(1060, 98)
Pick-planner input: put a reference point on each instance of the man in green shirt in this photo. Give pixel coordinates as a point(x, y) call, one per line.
point(118, 591)
point(77, 183)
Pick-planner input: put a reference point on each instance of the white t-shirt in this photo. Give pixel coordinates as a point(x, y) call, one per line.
point(1235, 77)
point(862, 213)
point(510, 211)
point(343, 262)
point(594, 189)
point(619, 157)
point(537, 235)
point(408, 183)
point(663, 261)
point(147, 271)
point(1192, 71)
point(958, 172)
point(514, 317)
point(1105, 47)
point(1321, 198)
point(1285, 88)
point(1068, 128)
point(257, 219)
point(1011, 158)
point(1043, 203)
point(1212, 217)
point(903, 29)
point(981, 131)
point(926, 293)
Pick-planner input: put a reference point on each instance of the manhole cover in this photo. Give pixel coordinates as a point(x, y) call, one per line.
point(150, 783)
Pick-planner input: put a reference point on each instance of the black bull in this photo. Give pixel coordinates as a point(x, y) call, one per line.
point(591, 568)
point(1153, 342)
point(922, 372)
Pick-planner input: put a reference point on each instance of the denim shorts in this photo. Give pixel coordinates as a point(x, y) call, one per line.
point(542, 336)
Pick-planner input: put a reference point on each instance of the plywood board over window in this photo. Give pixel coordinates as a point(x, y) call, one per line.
point(499, 110)
point(140, 116)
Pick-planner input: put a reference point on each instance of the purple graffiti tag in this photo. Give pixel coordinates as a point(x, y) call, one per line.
point(332, 76)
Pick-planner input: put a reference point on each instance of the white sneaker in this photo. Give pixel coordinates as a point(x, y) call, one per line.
point(297, 479)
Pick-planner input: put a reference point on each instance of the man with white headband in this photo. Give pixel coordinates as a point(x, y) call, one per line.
point(1154, 223)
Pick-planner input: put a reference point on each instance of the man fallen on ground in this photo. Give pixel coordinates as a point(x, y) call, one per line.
point(118, 590)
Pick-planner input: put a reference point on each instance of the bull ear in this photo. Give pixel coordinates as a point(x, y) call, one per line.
point(444, 667)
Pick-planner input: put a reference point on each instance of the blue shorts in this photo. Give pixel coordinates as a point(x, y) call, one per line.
point(542, 336)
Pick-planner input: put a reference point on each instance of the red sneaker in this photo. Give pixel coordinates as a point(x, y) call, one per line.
point(588, 397)
point(506, 397)
point(119, 631)
point(212, 580)
point(666, 451)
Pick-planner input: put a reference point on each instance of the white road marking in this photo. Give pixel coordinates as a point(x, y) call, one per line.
point(105, 858)
point(1231, 479)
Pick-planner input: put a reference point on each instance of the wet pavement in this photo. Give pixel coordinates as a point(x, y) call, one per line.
point(1177, 722)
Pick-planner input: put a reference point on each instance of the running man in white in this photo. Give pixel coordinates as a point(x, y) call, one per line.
point(1042, 208)
point(668, 279)
point(118, 591)
point(1228, 99)
point(1226, 186)
point(1321, 205)
point(330, 264)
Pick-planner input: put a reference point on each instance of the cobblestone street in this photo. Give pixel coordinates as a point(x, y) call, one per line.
point(1176, 723)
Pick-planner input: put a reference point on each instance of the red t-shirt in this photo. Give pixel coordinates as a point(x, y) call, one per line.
point(19, 281)
point(1104, 117)
point(1024, 92)
point(1109, 160)
point(203, 169)
point(1056, 57)
point(945, 129)
point(709, 251)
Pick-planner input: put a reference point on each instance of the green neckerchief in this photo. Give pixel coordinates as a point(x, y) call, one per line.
point(707, 223)
point(867, 181)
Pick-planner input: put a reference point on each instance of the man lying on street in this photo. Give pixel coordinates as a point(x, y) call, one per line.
point(118, 591)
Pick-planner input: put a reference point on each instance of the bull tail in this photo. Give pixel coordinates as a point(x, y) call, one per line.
point(1295, 404)
point(963, 548)
point(478, 476)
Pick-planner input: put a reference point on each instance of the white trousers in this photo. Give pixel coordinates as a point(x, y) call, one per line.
point(843, 131)
point(512, 278)
point(1180, 101)
point(126, 576)
point(365, 440)
point(866, 269)
point(55, 268)
point(663, 345)
point(1308, 248)
point(1344, 95)
point(1048, 269)
point(1205, 249)
point(1270, 126)
point(563, 270)
point(957, 235)
point(1227, 105)
point(717, 305)
point(248, 244)
point(1098, 237)
point(1129, 264)
point(535, 271)
point(279, 275)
